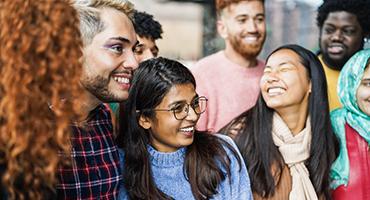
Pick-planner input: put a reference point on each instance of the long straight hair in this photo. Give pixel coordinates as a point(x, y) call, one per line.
point(255, 138)
point(152, 81)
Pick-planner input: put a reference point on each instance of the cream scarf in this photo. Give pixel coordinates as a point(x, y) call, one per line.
point(295, 150)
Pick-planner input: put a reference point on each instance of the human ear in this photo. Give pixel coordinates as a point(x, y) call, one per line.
point(221, 28)
point(145, 122)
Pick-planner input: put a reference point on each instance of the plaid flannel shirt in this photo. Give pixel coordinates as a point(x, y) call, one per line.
point(94, 173)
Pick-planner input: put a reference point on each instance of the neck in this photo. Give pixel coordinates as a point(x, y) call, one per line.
point(294, 118)
point(332, 65)
point(88, 103)
point(241, 60)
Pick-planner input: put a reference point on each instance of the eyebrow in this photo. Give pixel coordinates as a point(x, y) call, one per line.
point(283, 63)
point(140, 45)
point(250, 16)
point(182, 101)
point(335, 26)
point(122, 39)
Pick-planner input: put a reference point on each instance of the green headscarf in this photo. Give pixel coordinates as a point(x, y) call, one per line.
point(348, 82)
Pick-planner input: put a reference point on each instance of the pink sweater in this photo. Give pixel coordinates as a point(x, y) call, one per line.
point(231, 89)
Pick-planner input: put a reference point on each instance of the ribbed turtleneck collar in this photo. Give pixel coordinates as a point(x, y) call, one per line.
point(162, 159)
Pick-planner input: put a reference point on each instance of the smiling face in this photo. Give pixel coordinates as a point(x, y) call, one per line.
point(285, 82)
point(109, 59)
point(363, 92)
point(341, 37)
point(167, 134)
point(146, 49)
point(243, 27)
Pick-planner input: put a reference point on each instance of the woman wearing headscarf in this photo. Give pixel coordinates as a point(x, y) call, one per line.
point(350, 173)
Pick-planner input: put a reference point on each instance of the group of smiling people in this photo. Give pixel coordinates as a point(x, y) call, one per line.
point(286, 141)
point(288, 146)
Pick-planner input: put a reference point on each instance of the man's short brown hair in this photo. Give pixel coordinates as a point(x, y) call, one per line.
point(222, 4)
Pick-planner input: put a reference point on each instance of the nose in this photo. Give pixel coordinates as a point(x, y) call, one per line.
point(149, 54)
point(251, 26)
point(337, 35)
point(131, 61)
point(272, 77)
point(192, 115)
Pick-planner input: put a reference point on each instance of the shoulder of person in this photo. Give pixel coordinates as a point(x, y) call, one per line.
point(121, 154)
point(206, 62)
point(228, 140)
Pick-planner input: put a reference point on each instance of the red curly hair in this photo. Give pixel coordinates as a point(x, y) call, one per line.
point(39, 63)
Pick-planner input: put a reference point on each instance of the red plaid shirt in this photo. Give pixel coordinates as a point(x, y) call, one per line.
point(95, 172)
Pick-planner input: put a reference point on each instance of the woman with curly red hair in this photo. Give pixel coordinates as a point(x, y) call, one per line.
point(40, 71)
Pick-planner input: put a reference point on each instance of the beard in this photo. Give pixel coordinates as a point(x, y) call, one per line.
point(334, 64)
point(98, 86)
point(249, 51)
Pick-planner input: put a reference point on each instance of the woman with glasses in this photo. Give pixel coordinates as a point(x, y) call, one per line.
point(163, 156)
point(286, 138)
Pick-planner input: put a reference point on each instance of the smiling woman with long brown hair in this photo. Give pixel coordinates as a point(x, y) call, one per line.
point(286, 138)
point(40, 69)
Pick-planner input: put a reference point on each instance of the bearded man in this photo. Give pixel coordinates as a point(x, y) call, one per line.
point(230, 78)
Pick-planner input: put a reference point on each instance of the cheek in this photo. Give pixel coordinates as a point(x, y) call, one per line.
point(139, 57)
point(354, 44)
point(261, 28)
point(324, 39)
point(363, 94)
point(263, 80)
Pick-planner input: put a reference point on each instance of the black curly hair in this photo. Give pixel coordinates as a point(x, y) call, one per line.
point(146, 26)
point(360, 8)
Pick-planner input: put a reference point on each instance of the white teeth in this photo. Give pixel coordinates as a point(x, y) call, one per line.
point(189, 129)
point(121, 80)
point(250, 39)
point(276, 90)
point(335, 49)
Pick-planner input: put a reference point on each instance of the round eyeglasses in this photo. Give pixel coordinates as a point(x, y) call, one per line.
point(181, 110)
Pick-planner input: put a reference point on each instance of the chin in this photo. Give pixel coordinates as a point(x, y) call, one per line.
point(119, 95)
point(274, 105)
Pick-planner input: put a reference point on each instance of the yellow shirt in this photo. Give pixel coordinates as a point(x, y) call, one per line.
point(332, 81)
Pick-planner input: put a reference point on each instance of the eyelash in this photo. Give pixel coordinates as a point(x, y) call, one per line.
point(117, 48)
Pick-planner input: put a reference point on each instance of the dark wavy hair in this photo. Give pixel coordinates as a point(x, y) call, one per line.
point(255, 142)
point(152, 81)
point(360, 8)
point(39, 64)
point(146, 26)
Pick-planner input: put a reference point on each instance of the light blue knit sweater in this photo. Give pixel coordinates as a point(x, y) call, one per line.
point(169, 176)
